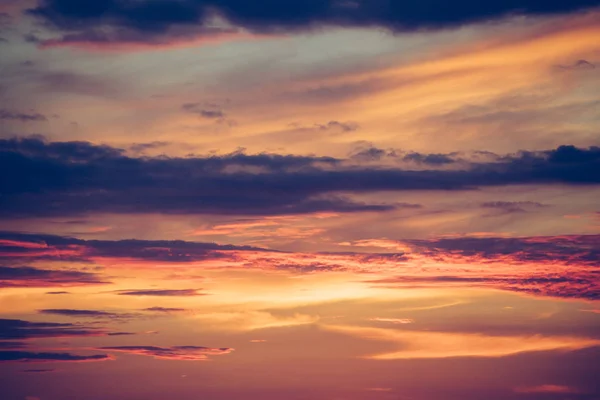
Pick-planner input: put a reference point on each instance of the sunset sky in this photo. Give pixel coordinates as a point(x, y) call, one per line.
point(299, 200)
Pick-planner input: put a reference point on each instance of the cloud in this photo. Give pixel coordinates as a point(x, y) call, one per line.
point(59, 292)
point(197, 108)
point(115, 22)
point(185, 353)
point(35, 247)
point(21, 117)
point(164, 309)
point(547, 389)
point(26, 356)
point(341, 126)
point(574, 283)
point(142, 147)
point(39, 371)
point(393, 320)
point(509, 207)
point(416, 345)
point(16, 329)
point(36, 277)
point(253, 320)
point(559, 266)
point(77, 313)
point(57, 179)
point(579, 64)
point(161, 292)
point(13, 345)
point(569, 249)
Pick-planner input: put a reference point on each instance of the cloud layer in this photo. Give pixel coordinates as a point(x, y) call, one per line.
point(78, 178)
point(560, 266)
point(113, 22)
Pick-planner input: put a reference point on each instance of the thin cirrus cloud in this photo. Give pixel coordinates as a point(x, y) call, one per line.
point(61, 175)
point(510, 207)
point(417, 345)
point(8, 115)
point(112, 23)
point(184, 353)
point(39, 370)
point(161, 292)
point(28, 356)
point(549, 388)
point(393, 320)
point(79, 313)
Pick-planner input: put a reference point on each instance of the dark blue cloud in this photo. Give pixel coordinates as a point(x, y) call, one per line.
point(24, 276)
point(26, 247)
point(27, 356)
point(78, 178)
point(11, 329)
point(145, 21)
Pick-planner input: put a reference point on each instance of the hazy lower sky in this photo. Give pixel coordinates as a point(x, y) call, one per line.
point(301, 199)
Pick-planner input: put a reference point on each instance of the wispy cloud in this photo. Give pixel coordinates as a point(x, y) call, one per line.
point(161, 292)
point(419, 344)
point(185, 353)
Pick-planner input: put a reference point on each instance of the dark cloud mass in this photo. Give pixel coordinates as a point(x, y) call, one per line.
point(156, 22)
point(24, 276)
point(26, 356)
point(19, 329)
point(39, 370)
point(32, 247)
point(75, 178)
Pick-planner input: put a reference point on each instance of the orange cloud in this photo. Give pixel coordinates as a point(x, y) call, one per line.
point(183, 353)
point(419, 344)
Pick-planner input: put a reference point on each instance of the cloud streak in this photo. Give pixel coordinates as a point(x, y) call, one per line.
point(33, 357)
point(181, 353)
point(418, 345)
point(16, 329)
point(77, 313)
point(161, 292)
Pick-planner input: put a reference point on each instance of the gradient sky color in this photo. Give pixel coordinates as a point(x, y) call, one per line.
point(301, 199)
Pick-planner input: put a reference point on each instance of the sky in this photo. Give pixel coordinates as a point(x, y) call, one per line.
point(300, 199)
